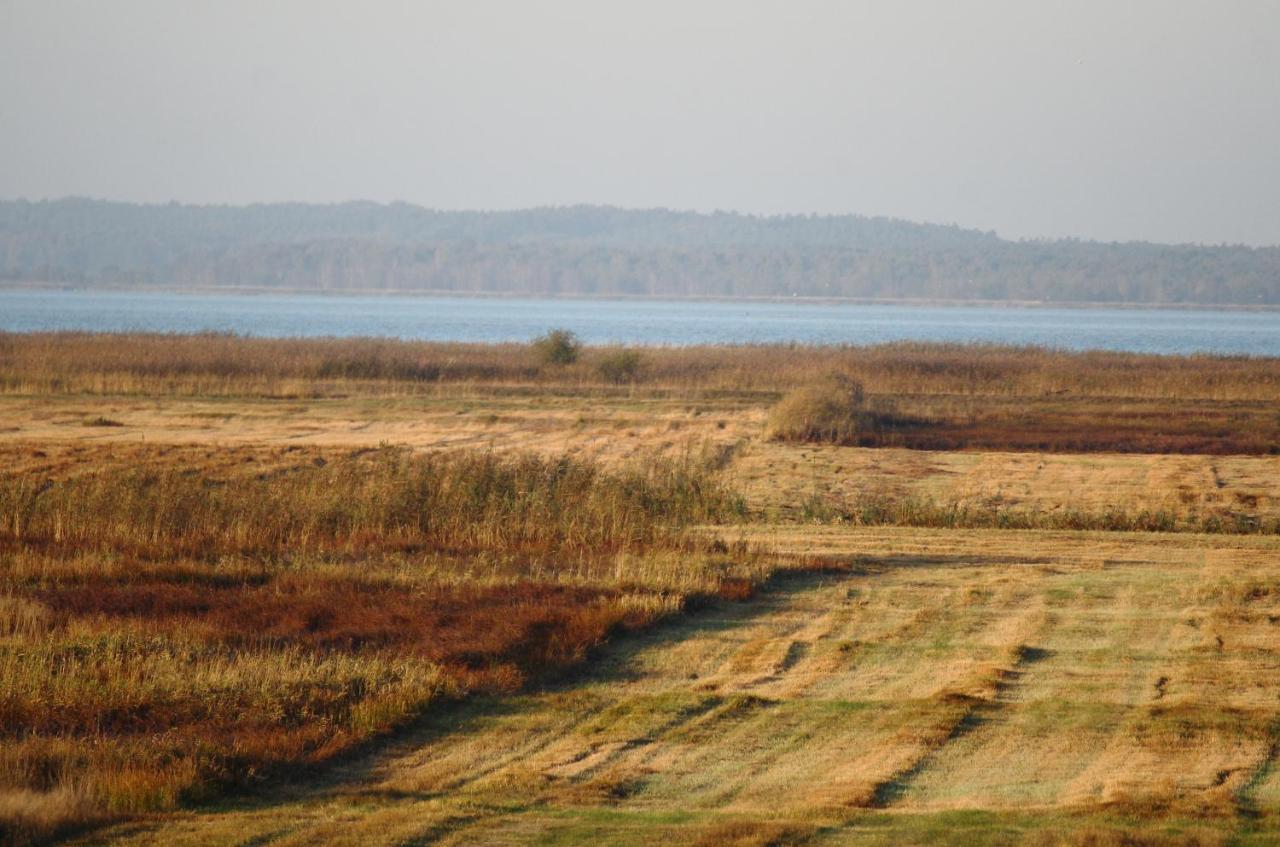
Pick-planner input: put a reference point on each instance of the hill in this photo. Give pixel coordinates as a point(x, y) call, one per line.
point(594, 250)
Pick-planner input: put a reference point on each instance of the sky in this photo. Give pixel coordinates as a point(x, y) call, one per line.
point(1119, 120)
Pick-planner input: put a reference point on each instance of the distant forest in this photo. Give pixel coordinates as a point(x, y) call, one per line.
point(593, 250)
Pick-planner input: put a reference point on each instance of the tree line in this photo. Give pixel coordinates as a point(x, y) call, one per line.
point(602, 251)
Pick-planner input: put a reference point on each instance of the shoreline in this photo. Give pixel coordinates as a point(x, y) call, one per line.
point(253, 291)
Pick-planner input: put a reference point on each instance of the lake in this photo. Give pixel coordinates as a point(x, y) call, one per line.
point(642, 322)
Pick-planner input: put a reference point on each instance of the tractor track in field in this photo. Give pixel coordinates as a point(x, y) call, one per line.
point(1009, 673)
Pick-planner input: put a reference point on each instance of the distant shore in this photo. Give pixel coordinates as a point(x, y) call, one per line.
point(244, 291)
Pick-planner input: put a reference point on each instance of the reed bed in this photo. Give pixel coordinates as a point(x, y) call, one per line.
point(942, 514)
point(166, 636)
point(228, 365)
point(172, 628)
point(918, 396)
point(460, 503)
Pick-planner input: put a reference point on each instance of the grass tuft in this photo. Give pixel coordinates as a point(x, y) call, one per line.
point(831, 410)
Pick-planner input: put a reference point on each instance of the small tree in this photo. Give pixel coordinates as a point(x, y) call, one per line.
point(558, 347)
point(619, 366)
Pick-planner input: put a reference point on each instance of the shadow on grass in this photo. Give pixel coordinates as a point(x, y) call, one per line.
point(352, 776)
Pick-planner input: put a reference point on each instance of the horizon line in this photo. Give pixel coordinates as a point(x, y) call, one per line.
point(762, 216)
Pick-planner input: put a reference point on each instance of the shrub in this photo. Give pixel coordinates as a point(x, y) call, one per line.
point(558, 347)
point(619, 366)
point(831, 410)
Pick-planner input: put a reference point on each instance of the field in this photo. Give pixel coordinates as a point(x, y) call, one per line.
point(314, 592)
point(932, 687)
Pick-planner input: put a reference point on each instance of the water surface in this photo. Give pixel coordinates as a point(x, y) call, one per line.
point(649, 322)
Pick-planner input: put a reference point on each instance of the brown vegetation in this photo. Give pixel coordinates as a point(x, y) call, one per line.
point(1079, 425)
point(165, 632)
point(930, 687)
point(620, 366)
point(203, 587)
point(831, 410)
point(219, 364)
point(385, 500)
point(932, 397)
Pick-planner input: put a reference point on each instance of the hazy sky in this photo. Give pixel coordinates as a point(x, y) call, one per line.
point(1123, 119)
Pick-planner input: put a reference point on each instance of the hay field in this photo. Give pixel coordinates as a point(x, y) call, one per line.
point(788, 481)
point(928, 687)
point(316, 592)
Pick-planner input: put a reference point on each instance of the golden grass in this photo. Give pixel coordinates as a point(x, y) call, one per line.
point(939, 687)
point(386, 500)
point(166, 634)
point(831, 410)
point(38, 815)
point(214, 574)
point(211, 365)
point(922, 396)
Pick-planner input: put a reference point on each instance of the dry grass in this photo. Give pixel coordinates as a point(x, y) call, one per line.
point(824, 483)
point(211, 364)
point(928, 687)
point(926, 396)
point(208, 582)
point(820, 507)
point(39, 815)
point(166, 634)
point(832, 410)
point(387, 500)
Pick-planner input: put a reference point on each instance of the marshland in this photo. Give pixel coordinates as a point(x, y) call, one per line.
point(373, 591)
point(713, 424)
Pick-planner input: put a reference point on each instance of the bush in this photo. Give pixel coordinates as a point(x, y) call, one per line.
point(831, 410)
point(558, 347)
point(619, 366)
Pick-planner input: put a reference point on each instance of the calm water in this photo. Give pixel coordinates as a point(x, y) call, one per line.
point(643, 322)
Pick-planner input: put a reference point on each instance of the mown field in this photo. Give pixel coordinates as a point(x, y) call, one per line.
point(313, 592)
point(928, 687)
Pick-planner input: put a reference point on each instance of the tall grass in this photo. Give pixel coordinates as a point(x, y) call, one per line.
point(213, 364)
point(454, 502)
point(832, 409)
point(920, 396)
point(165, 636)
point(941, 514)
